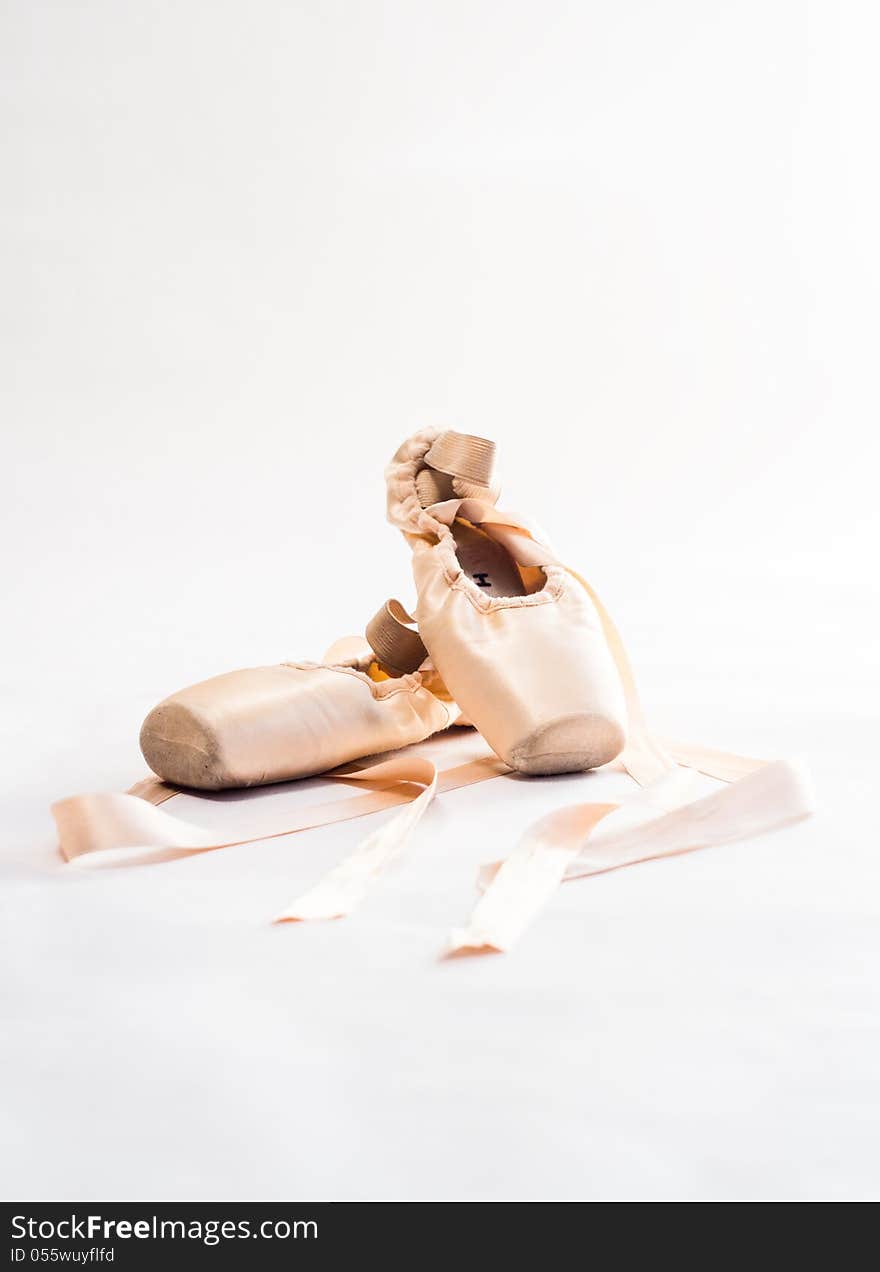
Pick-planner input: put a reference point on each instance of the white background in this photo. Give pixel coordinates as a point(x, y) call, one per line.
point(246, 250)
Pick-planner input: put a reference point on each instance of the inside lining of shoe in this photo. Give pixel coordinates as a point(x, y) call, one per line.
point(485, 561)
point(490, 566)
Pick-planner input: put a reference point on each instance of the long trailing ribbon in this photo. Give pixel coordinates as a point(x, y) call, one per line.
point(103, 830)
point(523, 883)
point(344, 887)
point(666, 793)
point(591, 839)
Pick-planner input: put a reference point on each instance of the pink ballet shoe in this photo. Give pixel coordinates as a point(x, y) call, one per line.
point(514, 634)
point(273, 724)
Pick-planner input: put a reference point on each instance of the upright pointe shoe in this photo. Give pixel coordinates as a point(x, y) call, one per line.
point(273, 724)
point(513, 633)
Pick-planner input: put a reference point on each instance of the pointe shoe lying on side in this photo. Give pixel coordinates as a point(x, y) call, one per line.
point(513, 633)
point(273, 724)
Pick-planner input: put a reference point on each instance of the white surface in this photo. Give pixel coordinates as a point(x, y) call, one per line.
point(246, 250)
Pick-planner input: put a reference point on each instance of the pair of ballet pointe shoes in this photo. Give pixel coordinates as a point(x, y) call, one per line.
point(508, 639)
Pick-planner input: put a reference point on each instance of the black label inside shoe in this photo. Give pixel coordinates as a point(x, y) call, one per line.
point(486, 562)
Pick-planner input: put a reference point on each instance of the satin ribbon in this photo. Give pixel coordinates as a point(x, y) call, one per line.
point(594, 838)
point(662, 821)
point(523, 883)
point(343, 888)
point(102, 830)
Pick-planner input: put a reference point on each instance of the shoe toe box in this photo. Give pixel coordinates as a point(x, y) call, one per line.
point(572, 744)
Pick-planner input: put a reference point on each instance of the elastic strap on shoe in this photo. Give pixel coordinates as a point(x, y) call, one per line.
point(458, 465)
point(465, 456)
point(394, 639)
